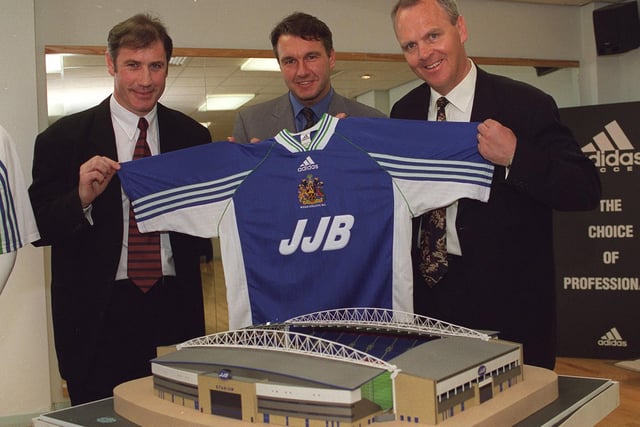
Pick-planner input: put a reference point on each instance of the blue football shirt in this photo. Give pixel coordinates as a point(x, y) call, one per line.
point(314, 220)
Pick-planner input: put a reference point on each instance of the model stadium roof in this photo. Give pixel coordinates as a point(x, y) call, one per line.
point(442, 358)
point(280, 367)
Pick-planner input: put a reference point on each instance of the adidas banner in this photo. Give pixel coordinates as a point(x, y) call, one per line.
point(597, 264)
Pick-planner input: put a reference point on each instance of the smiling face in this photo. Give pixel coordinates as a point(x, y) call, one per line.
point(139, 76)
point(432, 45)
point(305, 66)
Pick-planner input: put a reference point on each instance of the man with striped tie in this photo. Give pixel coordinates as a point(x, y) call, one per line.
point(116, 294)
point(499, 272)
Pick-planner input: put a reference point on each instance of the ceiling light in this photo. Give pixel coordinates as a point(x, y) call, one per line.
point(64, 100)
point(366, 76)
point(226, 102)
point(260, 64)
point(177, 60)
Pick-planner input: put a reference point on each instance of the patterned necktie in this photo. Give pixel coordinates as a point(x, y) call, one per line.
point(144, 266)
point(308, 114)
point(433, 231)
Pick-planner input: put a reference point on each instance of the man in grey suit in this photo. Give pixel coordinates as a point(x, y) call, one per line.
point(303, 46)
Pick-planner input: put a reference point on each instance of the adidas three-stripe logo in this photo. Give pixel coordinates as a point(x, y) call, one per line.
point(612, 339)
point(308, 164)
point(612, 149)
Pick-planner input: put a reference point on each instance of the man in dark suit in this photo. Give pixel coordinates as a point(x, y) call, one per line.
point(303, 46)
point(106, 328)
point(500, 273)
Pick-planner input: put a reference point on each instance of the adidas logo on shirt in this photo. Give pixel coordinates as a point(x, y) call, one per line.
point(612, 339)
point(307, 165)
point(612, 149)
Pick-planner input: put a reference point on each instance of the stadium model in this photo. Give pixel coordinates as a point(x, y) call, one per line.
point(340, 368)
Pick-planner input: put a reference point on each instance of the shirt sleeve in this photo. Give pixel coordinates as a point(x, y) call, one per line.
point(17, 222)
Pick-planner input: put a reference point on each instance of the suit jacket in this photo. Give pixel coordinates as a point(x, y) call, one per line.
point(267, 119)
point(504, 280)
point(84, 257)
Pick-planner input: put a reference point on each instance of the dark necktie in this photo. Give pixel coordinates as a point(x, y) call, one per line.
point(144, 265)
point(307, 113)
point(433, 231)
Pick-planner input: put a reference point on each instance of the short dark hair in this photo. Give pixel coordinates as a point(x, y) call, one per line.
point(138, 32)
point(450, 6)
point(304, 26)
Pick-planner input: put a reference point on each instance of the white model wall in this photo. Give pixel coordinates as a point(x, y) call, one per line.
point(497, 29)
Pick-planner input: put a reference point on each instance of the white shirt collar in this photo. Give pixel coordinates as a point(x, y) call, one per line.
point(460, 97)
point(127, 120)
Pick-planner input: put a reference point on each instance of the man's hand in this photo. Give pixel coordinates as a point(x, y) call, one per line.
point(252, 140)
point(496, 143)
point(95, 174)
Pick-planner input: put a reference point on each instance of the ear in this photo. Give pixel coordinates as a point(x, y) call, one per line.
point(332, 59)
point(110, 65)
point(461, 26)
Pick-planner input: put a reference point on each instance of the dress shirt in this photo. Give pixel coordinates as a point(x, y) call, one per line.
point(318, 109)
point(457, 110)
point(125, 127)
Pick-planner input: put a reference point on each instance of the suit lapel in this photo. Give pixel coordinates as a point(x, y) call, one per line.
point(107, 209)
point(101, 138)
point(165, 130)
point(283, 112)
point(337, 105)
point(484, 105)
point(419, 106)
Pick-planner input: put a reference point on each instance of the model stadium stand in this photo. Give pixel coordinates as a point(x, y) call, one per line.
point(344, 368)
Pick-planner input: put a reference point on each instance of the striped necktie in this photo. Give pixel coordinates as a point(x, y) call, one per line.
point(144, 266)
point(433, 230)
point(309, 116)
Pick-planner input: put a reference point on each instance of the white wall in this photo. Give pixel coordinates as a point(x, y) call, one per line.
point(599, 80)
point(562, 84)
point(497, 29)
point(24, 383)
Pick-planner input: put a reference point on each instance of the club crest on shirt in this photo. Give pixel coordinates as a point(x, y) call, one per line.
point(310, 191)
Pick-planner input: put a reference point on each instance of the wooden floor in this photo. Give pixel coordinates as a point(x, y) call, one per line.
point(215, 295)
point(628, 413)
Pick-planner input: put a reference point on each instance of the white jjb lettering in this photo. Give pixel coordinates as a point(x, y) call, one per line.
point(336, 238)
point(340, 233)
point(312, 245)
point(287, 247)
